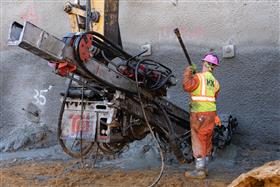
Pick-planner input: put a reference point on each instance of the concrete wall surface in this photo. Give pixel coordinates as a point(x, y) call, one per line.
point(250, 82)
point(24, 75)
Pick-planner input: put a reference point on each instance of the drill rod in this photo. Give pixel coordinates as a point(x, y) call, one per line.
point(177, 32)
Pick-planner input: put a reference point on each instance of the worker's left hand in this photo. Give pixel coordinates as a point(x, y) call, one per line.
point(218, 121)
point(193, 68)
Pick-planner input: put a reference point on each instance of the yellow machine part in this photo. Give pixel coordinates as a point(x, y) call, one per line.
point(107, 24)
point(96, 5)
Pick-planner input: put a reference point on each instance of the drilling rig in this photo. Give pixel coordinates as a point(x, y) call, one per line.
point(113, 97)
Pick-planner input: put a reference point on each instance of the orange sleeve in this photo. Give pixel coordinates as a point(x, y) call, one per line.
point(190, 81)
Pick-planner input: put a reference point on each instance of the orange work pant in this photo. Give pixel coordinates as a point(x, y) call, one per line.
point(202, 125)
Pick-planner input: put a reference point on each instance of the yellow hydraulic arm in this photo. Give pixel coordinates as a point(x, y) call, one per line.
point(103, 18)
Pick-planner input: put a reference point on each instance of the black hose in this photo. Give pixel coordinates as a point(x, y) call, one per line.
point(82, 126)
point(125, 54)
point(107, 46)
point(150, 128)
point(159, 83)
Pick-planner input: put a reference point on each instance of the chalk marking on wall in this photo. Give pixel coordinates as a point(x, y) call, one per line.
point(30, 14)
point(39, 96)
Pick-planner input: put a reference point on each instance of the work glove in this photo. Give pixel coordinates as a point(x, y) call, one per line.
point(218, 121)
point(193, 68)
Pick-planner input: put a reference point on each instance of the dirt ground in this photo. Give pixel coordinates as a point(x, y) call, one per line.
point(59, 173)
point(51, 167)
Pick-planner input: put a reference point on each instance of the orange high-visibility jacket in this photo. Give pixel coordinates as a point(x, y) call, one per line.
point(203, 88)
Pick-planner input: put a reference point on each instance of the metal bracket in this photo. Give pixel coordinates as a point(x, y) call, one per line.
point(77, 10)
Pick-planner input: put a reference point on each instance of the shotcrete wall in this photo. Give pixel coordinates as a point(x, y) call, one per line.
point(27, 82)
point(249, 81)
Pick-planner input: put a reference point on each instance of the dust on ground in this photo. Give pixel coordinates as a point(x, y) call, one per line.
point(59, 173)
point(51, 167)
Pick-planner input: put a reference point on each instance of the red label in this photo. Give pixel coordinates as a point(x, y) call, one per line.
point(76, 123)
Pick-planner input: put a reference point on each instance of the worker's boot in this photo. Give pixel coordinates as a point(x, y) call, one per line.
point(199, 172)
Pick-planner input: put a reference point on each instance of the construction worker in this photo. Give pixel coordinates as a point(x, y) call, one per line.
point(203, 89)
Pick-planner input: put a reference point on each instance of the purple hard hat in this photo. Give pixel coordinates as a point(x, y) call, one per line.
point(211, 58)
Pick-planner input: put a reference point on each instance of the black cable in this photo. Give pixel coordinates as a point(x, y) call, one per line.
point(108, 60)
point(150, 128)
point(159, 83)
point(134, 57)
point(125, 54)
point(106, 45)
point(101, 93)
point(82, 125)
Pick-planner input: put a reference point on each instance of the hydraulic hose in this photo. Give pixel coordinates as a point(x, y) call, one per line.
point(150, 128)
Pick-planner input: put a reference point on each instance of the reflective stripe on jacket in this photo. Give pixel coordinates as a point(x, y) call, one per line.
point(203, 97)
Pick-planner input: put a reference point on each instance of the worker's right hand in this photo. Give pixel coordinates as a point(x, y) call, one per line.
point(218, 121)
